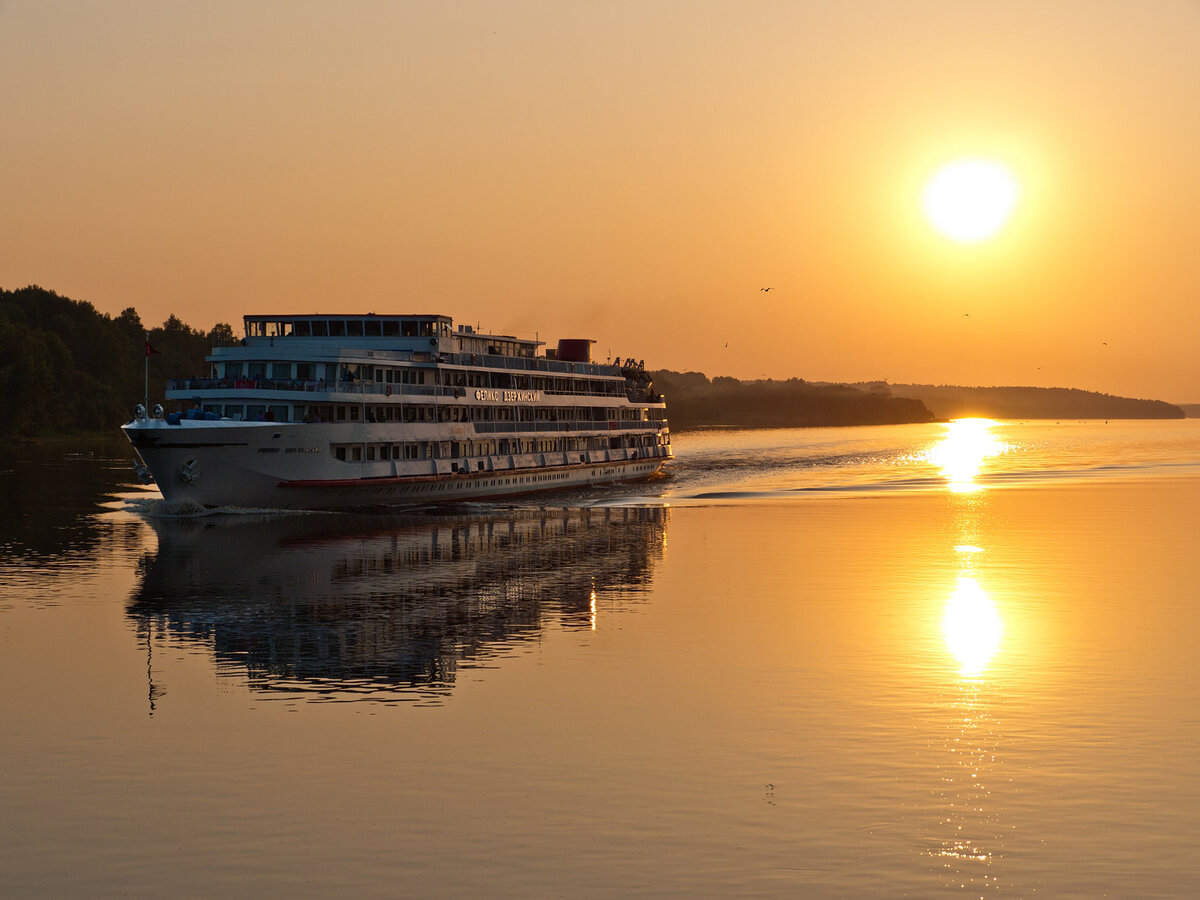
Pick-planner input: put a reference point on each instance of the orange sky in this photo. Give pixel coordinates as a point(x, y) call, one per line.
point(633, 172)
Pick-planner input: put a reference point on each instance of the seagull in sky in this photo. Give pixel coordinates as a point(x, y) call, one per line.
point(764, 289)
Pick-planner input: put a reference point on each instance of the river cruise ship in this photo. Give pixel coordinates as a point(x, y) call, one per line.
point(332, 411)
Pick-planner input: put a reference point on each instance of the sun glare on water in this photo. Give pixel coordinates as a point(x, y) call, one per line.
point(970, 200)
point(971, 626)
point(963, 450)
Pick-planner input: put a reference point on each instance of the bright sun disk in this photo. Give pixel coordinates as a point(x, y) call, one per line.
point(970, 200)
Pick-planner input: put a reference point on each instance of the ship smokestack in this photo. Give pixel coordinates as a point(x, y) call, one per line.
point(577, 350)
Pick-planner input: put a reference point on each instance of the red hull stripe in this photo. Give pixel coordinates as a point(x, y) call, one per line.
point(457, 476)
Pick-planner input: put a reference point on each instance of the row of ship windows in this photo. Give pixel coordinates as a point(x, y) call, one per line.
point(576, 417)
point(369, 327)
point(328, 372)
point(346, 373)
point(458, 449)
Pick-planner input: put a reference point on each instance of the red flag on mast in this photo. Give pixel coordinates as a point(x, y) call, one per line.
point(150, 351)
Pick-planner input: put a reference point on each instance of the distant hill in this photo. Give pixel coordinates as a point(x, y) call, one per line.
point(1191, 410)
point(693, 400)
point(951, 402)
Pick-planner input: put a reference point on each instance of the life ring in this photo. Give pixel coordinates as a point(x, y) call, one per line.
point(388, 391)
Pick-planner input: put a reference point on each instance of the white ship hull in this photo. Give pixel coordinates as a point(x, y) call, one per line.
point(286, 466)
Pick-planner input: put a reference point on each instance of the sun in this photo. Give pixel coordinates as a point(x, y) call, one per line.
point(970, 200)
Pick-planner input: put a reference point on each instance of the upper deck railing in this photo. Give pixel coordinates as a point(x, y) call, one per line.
point(372, 388)
point(428, 357)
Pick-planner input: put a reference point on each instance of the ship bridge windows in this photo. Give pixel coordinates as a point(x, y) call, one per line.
point(268, 328)
point(349, 326)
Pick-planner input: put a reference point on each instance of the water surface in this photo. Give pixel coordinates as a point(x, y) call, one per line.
point(921, 661)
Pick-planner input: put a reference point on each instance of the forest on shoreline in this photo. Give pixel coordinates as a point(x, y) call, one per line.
point(694, 401)
point(955, 402)
point(68, 369)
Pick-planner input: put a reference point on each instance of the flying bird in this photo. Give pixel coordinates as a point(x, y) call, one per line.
point(764, 289)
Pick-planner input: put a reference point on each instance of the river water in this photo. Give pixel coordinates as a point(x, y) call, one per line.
point(925, 661)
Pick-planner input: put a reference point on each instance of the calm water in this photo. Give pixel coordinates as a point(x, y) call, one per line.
point(928, 661)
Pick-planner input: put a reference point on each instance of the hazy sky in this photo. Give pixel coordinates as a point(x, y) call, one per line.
point(635, 172)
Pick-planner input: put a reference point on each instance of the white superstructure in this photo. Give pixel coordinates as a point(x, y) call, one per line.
point(328, 411)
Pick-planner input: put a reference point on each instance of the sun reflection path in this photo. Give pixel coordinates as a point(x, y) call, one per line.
point(961, 453)
point(970, 847)
point(971, 626)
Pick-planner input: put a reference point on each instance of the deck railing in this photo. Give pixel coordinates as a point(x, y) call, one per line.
point(373, 388)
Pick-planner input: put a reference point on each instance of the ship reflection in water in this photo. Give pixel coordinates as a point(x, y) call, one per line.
point(354, 607)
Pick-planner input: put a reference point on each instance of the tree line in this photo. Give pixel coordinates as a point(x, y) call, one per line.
point(693, 400)
point(956, 402)
point(66, 368)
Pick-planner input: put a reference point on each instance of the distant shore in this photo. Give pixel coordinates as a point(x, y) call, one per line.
point(695, 401)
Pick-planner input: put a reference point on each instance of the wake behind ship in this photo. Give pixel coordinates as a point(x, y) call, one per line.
point(329, 411)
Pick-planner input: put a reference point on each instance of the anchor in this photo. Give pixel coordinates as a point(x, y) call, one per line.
point(189, 471)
